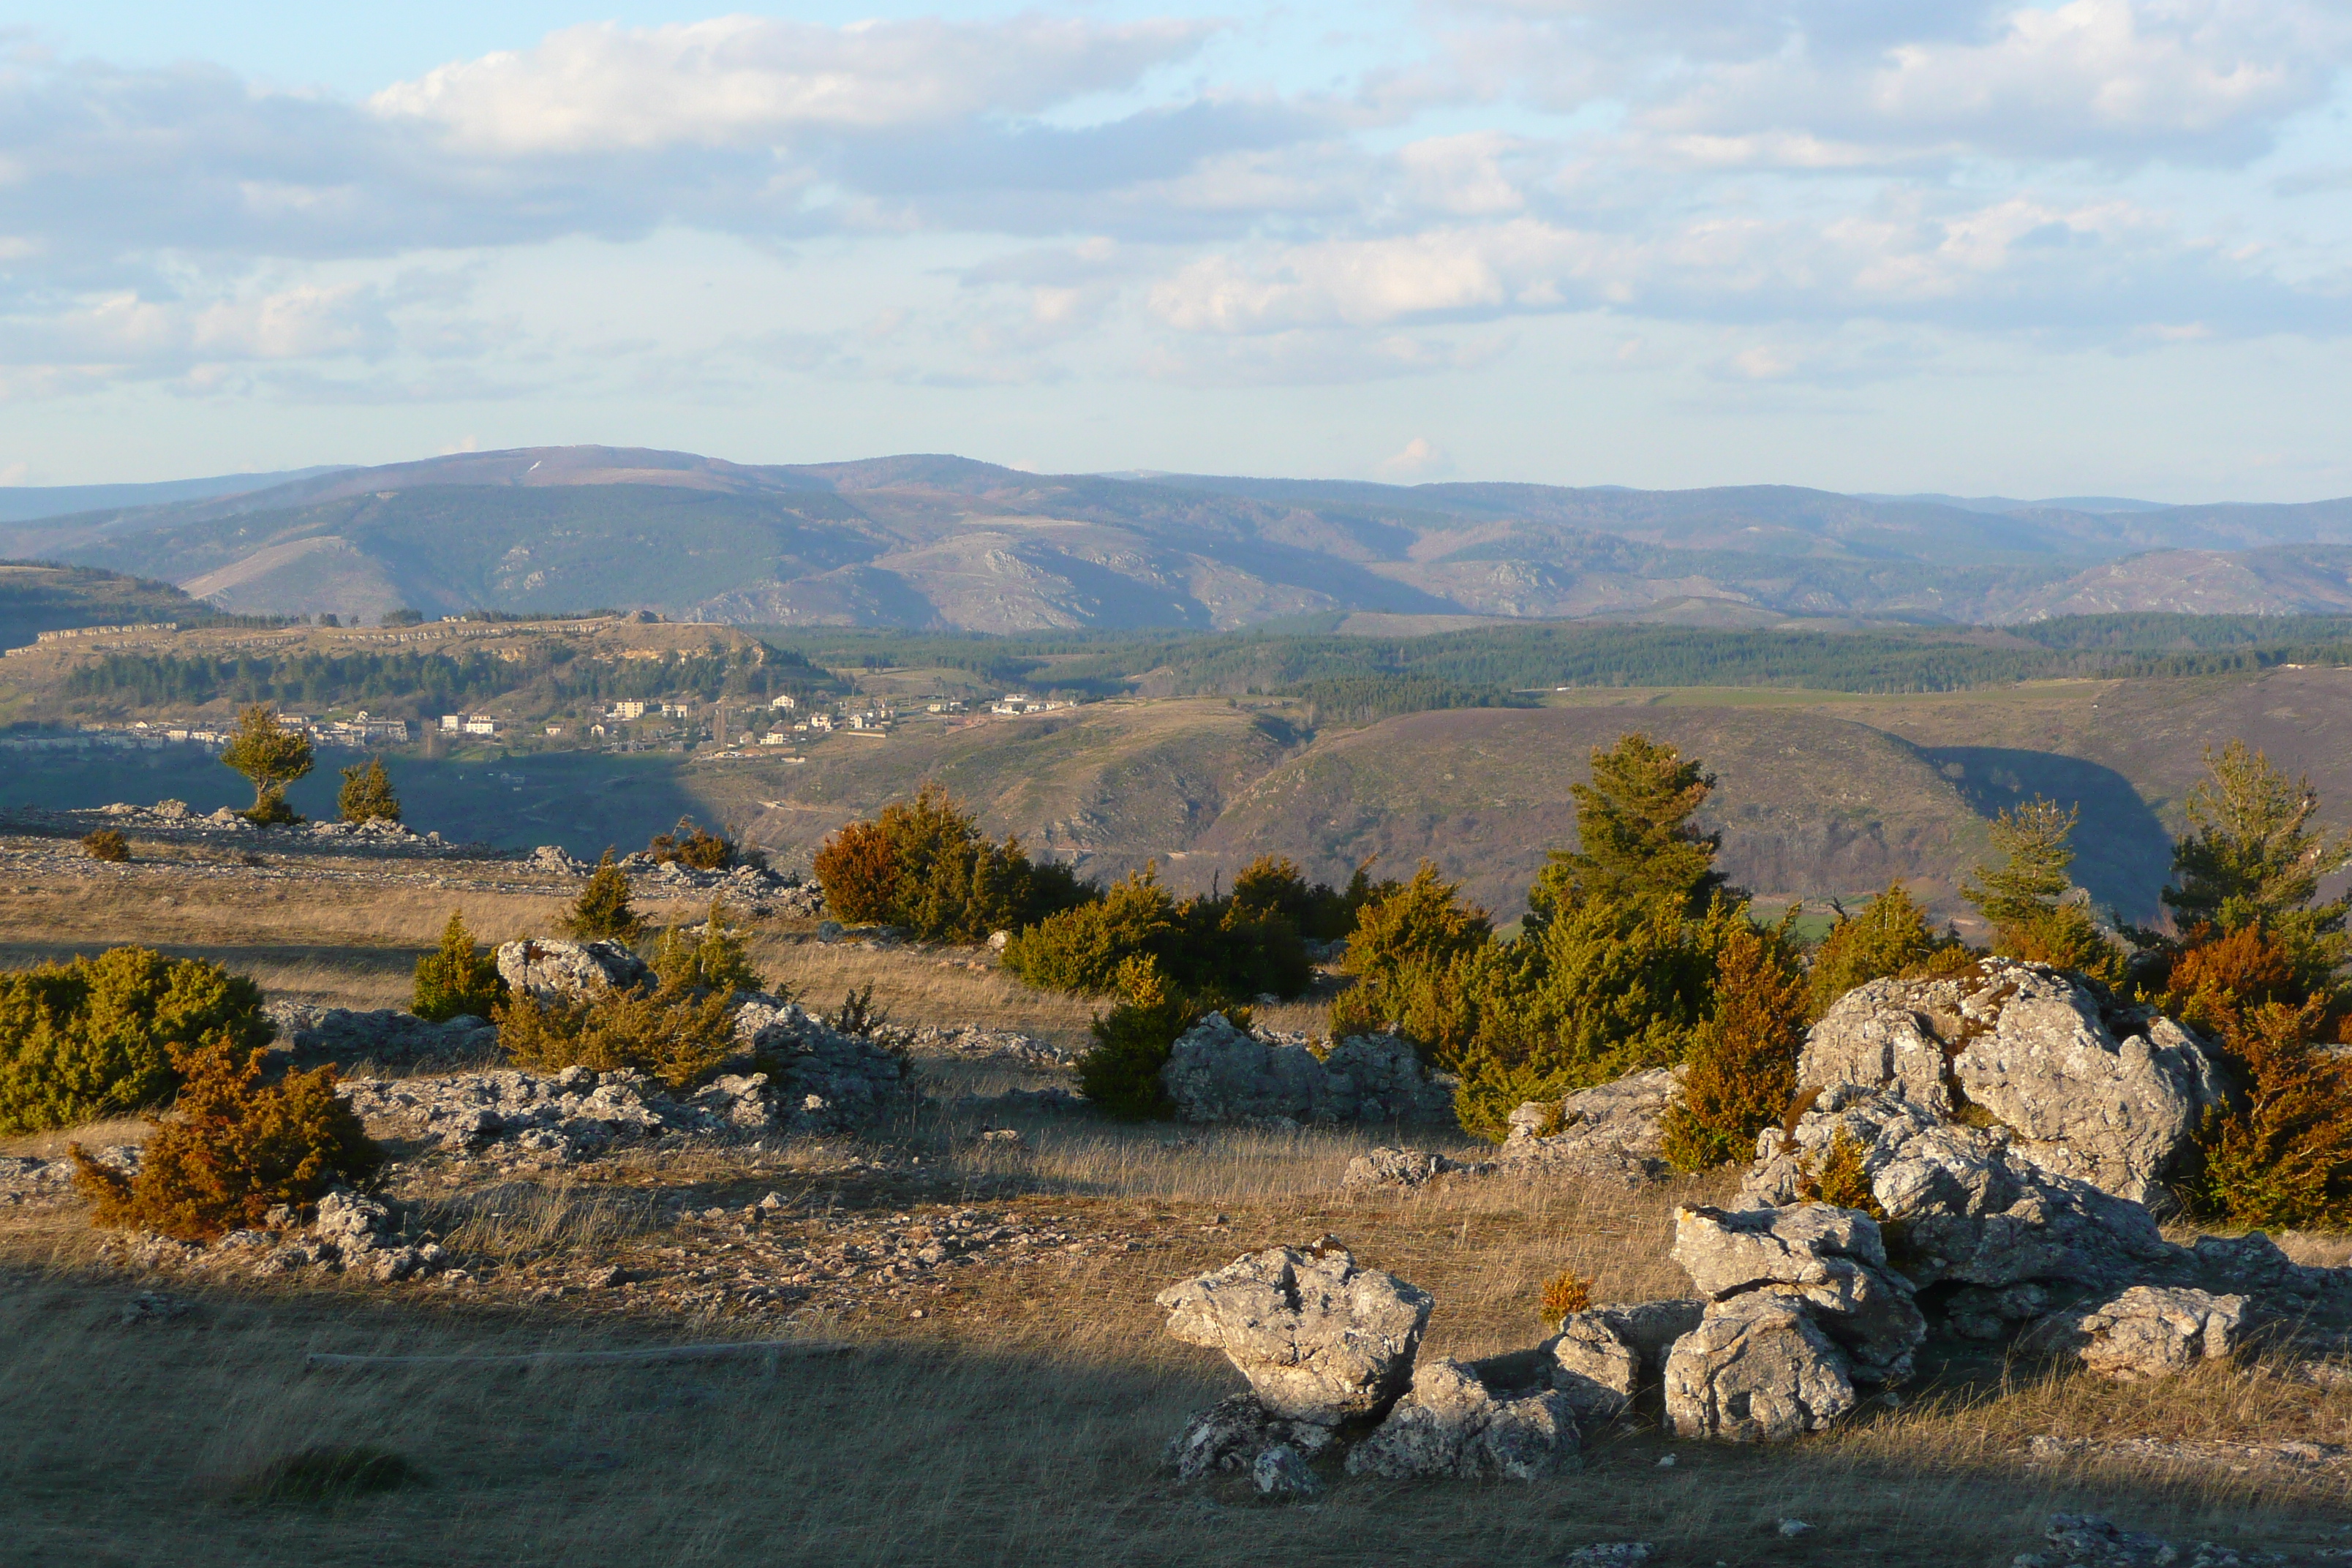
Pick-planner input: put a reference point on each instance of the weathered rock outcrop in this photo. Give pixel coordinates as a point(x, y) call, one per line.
point(1974, 1209)
point(1218, 1073)
point(1612, 1131)
point(2108, 1094)
point(1453, 1423)
point(567, 971)
point(1757, 1369)
point(1830, 1262)
point(2146, 1331)
point(573, 1114)
point(1392, 1167)
point(824, 1081)
point(1320, 1340)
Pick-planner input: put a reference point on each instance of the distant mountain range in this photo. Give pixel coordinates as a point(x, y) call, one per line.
point(944, 542)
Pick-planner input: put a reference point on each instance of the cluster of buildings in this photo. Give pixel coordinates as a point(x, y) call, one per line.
point(359, 733)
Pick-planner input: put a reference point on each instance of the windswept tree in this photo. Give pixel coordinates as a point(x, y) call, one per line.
point(272, 756)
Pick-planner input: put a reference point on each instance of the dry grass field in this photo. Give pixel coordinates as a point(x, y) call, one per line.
point(1019, 1419)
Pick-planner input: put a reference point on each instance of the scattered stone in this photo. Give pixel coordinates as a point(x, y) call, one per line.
point(971, 1042)
point(1757, 1369)
point(1829, 1261)
point(1282, 1471)
point(1793, 1528)
point(2146, 1331)
point(1613, 1131)
point(1453, 1424)
point(1218, 1073)
point(1391, 1167)
point(1612, 1554)
point(152, 1307)
point(2107, 1094)
point(1002, 1137)
point(1319, 1339)
point(2087, 1539)
point(556, 858)
point(567, 971)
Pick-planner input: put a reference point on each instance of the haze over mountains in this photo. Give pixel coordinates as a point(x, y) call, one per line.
point(944, 542)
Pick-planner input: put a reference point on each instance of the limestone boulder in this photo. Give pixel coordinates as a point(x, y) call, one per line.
point(1217, 1072)
point(2146, 1331)
point(1756, 1370)
point(2108, 1094)
point(1401, 1167)
point(1319, 1339)
point(1613, 1131)
point(1829, 1261)
point(1453, 1424)
point(568, 971)
point(1604, 1355)
point(1974, 1209)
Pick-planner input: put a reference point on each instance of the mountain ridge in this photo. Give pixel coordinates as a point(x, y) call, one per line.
point(943, 542)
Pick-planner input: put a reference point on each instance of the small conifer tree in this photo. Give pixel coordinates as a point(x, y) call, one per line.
point(602, 912)
point(366, 794)
point(2253, 858)
point(1887, 937)
point(458, 979)
point(717, 960)
point(272, 756)
point(1635, 835)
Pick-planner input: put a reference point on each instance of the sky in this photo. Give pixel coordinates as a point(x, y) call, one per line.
point(2102, 247)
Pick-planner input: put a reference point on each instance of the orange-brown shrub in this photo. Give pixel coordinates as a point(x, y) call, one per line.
point(1563, 1293)
point(2216, 980)
point(106, 844)
point(234, 1149)
point(859, 869)
point(1743, 1060)
point(2284, 1158)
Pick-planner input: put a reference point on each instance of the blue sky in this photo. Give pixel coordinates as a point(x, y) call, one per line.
point(2103, 246)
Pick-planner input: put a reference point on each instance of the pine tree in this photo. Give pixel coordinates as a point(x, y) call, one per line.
point(367, 795)
point(602, 912)
point(459, 979)
point(2253, 859)
point(2027, 897)
point(1635, 835)
point(272, 756)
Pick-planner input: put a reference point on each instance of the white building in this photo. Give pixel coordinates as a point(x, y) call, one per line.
point(627, 710)
point(783, 704)
point(481, 724)
point(451, 723)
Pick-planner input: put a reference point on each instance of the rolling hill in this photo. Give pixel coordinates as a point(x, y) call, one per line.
point(947, 542)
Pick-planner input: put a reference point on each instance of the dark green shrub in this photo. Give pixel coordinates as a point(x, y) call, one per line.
point(1272, 885)
point(675, 1033)
point(1743, 1058)
point(106, 844)
point(366, 794)
point(602, 912)
point(1081, 949)
point(1120, 1072)
point(1214, 949)
point(232, 1149)
point(459, 979)
point(330, 1474)
point(1403, 953)
point(94, 1038)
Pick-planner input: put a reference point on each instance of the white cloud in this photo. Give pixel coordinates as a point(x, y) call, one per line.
point(1421, 459)
point(751, 81)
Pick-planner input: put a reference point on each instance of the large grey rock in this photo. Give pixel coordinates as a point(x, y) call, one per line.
point(1233, 1433)
point(1604, 1355)
point(2087, 1540)
point(570, 1115)
point(1319, 1339)
point(1756, 1370)
point(1216, 1072)
point(1974, 1209)
point(2111, 1095)
point(2146, 1331)
point(568, 971)
point(1453, 1424)
point(1831, 1261)
point(1394, 1167)
point(1612, 1131)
